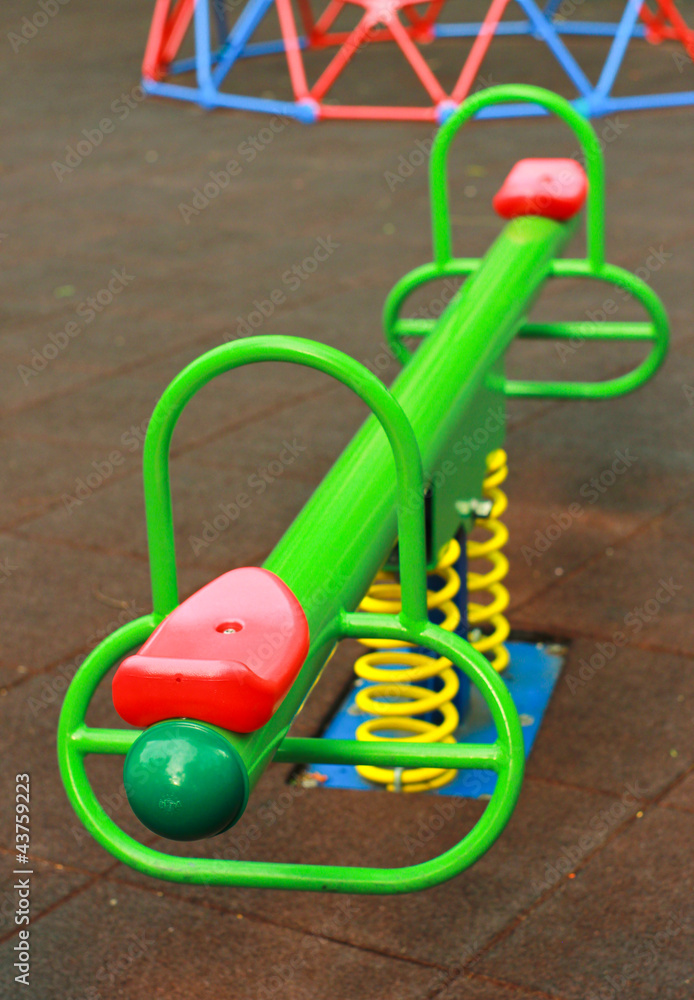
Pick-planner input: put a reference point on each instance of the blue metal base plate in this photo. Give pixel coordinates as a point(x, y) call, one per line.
point(531, 676)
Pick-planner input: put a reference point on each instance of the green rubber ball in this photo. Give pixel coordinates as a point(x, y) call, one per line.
point(184, 780)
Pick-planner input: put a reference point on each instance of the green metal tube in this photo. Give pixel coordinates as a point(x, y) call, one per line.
point(335, 546)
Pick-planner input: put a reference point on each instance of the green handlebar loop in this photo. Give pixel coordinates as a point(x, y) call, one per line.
point(657, 331)
point(505, 757)
point(397, 327)
point(592, 266)
point(590, 145)
point(408, 463)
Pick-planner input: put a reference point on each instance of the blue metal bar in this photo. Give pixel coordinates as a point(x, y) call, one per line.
point(618, 48)
point(186, 65)
point(462, 699)
point(643, 102)
point(203, 63)
point(597, 29)
point(269, 48)
point(248, 20)
point(511, 111)
point(546, 32)
point(302, 112)
point(220, 17)
point(589, 29)
point(550, 8)
point(472, 29)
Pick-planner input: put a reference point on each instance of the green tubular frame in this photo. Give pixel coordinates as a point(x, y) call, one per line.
point(505, 757)
point(593, 265)
point(377, 485)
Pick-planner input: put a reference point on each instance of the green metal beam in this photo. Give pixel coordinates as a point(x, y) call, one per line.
point(355, 504)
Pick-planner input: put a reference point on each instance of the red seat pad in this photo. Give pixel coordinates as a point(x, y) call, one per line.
point(227, 656)
point(552, 188)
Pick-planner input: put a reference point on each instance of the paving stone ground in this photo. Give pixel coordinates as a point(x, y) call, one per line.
point(589, 892)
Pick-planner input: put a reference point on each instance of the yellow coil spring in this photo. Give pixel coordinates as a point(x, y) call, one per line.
point(489, 628)
point(394, 696)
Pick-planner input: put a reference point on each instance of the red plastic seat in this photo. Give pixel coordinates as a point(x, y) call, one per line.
point(553, 188)
point(228, 655)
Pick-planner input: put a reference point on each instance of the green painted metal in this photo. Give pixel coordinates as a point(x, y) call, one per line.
point(438, 390)
point(330, 619)
point(466, 353)
point(408, 480)
point(593, 266)
point(582, 129)
point(456, 482)
point(504, 757)
point(373, 496)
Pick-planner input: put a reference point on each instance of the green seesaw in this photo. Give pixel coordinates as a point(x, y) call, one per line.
point(213, 685)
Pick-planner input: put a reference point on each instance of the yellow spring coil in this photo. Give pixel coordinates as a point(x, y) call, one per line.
point(482, 617)
point(395, 697)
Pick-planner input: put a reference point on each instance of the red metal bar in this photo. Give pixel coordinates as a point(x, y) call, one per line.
point(667, 23)
point(416, 60)
point(292, 49)
point(423, 24)
point(655, 23)
point(307, 18)
point(152, 68)
point(176, 29)
point(479, 50)
point(431, 15)
point(327, 18)
point(340, 37)
point(341, 58)
point(360, 112)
